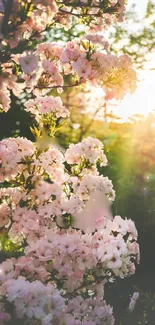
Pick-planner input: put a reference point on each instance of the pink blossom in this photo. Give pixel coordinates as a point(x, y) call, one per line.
point(46, 105)
point(4, 98)
point(4, 214)
point(28, 62)
point(31, 299)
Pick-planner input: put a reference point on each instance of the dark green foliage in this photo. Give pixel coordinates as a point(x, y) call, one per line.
point(15, 122)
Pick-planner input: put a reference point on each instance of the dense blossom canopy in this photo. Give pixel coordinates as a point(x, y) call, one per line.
point(54, 205)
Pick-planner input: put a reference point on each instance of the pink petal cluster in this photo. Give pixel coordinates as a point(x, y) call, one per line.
point(12, 152)
point(45, 69)
point(89, 149)
point(8, 82)
point(40, 15)
point(4, 214)
point(73, 255)
point(91, 312)
point(46, 105)
point(63, 217)
point(34, 300)
point(28, 62)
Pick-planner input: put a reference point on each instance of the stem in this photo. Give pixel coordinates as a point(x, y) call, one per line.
point(96, 280)
point(78, 15)
point(55, 87)
point(87, 127)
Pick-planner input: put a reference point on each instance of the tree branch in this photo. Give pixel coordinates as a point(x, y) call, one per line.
point(57, 87)
point(62, 11)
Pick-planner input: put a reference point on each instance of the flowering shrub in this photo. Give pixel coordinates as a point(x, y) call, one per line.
point(54, 204)
point(56, 207)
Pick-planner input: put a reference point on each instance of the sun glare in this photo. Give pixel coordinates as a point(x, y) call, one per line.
point(141, 102)
point(140, 6)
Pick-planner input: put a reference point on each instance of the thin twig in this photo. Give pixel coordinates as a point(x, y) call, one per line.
point(87, 127)
point(56, 87)
point(78, 15)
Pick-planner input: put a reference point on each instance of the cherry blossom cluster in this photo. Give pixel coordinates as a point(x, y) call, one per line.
point(57, 207)
point(114, 74)
point(45, 105)
point(34, 300)
point(55, 189)
point(84, 61)
point(91, 312)
point(8, 82)
point(12, 152)
point(86, 150)
point(42, 70)
point(37, 303)
point(24, 19)
point(71, 256)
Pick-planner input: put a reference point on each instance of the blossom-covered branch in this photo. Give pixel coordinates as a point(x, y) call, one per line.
point(80, 60)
